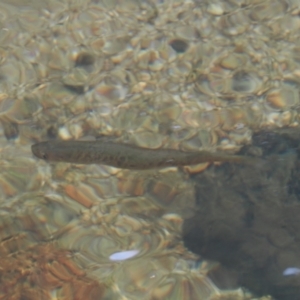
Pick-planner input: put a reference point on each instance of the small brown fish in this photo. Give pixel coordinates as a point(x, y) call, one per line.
point(125, 156)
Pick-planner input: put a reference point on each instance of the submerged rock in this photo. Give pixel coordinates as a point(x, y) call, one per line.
point(247, 217)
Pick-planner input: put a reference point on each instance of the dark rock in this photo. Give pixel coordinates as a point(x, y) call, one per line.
point(85, 60)
point(248, 217)
point(11, 129)
point(178, 45)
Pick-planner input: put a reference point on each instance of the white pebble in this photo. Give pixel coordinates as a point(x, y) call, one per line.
point(64, 133)
point(291, 271)
point(119, 256)
point(215, 9)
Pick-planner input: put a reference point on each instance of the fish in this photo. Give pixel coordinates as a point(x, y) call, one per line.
point(125, 156)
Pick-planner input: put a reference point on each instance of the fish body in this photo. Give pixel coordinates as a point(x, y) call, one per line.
point(124, 156)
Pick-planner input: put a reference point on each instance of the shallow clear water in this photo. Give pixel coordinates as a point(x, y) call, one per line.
point(188, 75)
